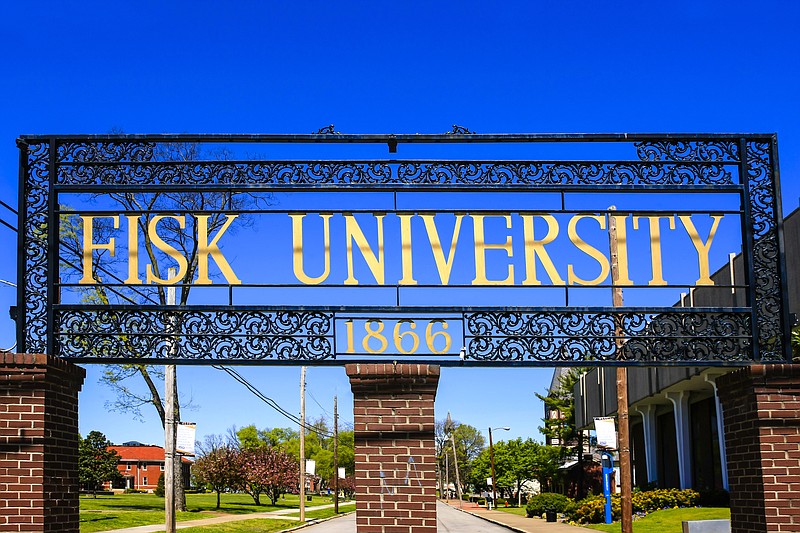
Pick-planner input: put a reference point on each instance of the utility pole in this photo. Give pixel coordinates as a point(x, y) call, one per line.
point(446, 475)
point(302, 445)
point(169, 422)
point(494, 481)
point(458, 481)
point(626, 501)
point(335, 455)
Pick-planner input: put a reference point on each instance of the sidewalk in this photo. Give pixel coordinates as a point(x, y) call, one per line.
point(516, 522)
point(276, 515)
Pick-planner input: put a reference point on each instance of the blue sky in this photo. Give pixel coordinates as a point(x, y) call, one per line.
point(294, 67)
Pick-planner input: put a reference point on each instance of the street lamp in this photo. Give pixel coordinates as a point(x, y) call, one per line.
point(491, 456)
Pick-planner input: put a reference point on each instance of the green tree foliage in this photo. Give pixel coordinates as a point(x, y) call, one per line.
point(469, 443)
point(516, 462)
point(96, 462)
point(562, 400)
point(160, 492)
point(318, 445)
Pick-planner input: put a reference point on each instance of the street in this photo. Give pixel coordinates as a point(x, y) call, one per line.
point(449, 520)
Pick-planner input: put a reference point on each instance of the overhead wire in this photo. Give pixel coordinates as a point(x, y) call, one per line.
point(269, 401)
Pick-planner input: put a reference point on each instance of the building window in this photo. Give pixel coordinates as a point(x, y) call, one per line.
point(144, 481)
point(128, 466)
point(162, 467)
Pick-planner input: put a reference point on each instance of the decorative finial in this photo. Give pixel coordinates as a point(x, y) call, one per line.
point(460, 130)
point(327, 130)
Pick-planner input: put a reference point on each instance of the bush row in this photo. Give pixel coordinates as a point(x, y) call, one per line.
point(591, 510)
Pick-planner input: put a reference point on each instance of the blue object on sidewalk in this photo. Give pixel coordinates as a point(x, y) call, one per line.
point(608, 471)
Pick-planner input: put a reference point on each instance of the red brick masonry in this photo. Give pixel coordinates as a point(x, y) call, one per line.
point(761, 407)
point(39, 443)
point(394, 447)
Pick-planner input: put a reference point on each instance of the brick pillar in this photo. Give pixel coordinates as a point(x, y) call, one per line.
point(394, 447)
point(39, 443)
point(761, 406)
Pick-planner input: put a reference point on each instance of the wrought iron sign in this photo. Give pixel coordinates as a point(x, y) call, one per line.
point(189, 249)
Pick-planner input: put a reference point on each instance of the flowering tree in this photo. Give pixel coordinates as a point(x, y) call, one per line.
point(348, 486)
point(267, 470)
point(218, 469)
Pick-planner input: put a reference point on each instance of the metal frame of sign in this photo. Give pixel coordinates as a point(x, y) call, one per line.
point(743, 164)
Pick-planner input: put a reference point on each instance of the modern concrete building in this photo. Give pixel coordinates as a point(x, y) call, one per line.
point(676, 419)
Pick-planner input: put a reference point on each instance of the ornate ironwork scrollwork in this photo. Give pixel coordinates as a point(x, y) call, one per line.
point(105, 151)
point(352, 173)
point(108, 334)
point(668, 150)
point(583, 336)
point(768, 284)
point(32, 325)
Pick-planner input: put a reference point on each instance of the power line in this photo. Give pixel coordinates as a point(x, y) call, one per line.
point(269, 401)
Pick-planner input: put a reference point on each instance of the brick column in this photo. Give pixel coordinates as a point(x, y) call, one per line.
point(39, 443)
point(761, 405)
point(394, 447)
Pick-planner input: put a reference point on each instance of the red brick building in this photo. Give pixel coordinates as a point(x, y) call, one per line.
point(142, 464)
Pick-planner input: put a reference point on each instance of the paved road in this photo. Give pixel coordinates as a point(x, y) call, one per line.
point(449, 521)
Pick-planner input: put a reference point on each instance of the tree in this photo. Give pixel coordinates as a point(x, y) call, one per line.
point(181, 237)
point(96, 462)
point(562, 400)
point(218, 468)
point(269, 471)
point(469, 443)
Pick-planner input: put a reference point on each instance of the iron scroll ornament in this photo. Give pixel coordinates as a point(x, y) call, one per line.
point(50, 164)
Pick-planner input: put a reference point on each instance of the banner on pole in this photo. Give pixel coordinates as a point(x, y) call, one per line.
point(342, 473)
point(606, 431)
point(184, 444)
point(311, 466)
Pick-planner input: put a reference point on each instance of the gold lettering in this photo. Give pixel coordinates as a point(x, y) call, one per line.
point(89, 246)
point(701, 247)
point(405, 243)
point(297, 247)
point(622, 250)
point(206, 249)
point(589, 250)
point(375, 262)
point(480, 253)
point(443, 266)
point(167, 249)
point(655, 245)
point(133, 251)
point(534, 249)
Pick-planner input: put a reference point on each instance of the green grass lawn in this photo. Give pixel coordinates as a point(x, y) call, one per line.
point(129, 510)
point(513, 510)
point(327, 513)
point(667, 520)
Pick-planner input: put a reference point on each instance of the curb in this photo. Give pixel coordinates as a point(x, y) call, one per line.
point(315, 521)
point(495, 522)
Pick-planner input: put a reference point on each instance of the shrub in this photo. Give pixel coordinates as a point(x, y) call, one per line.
point(160, 486)
point(548, 501)
point(591, 510)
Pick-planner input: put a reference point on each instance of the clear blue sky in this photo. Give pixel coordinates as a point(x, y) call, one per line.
point(372, 67)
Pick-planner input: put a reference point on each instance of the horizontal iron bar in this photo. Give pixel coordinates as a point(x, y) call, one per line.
point(394, 162)
point(393, 187)
point(97, 212)
point(397, 137)
point(402, 287)
point(453, 361)
point(396, 310)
